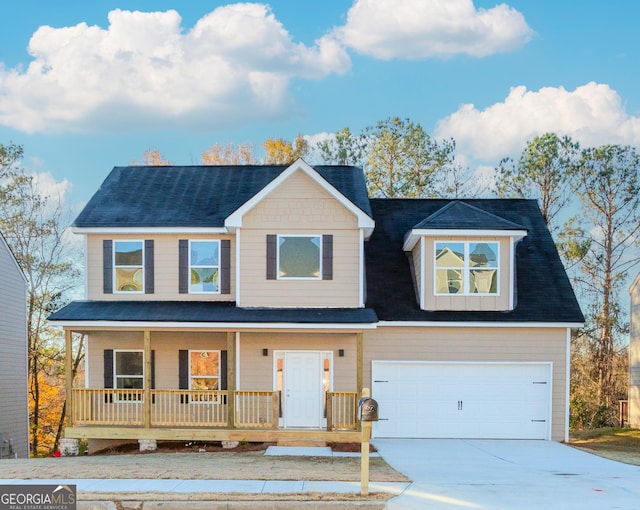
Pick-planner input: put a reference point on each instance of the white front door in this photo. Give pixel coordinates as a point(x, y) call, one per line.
point(303, 389)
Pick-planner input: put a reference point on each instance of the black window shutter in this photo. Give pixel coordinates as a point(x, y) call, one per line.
point(327, 257)
point(183, 267)
point(223, 370)
point(272, 257)
point(148, 267)
point(225, 266)
point(107, 266)
point(108, 368)
point(183, 369)
point(153, 369)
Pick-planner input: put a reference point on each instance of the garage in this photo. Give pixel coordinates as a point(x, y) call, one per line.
point(462, 400)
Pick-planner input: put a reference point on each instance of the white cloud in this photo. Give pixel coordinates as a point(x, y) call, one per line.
point(592, 114)
point(47, 186)
point(233, 66)
point(416, 29)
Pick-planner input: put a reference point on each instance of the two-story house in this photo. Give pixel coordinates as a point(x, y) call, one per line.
point(14, 404)
point(255, 302)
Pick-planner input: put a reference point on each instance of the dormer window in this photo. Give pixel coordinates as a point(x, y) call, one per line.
point(467, 268)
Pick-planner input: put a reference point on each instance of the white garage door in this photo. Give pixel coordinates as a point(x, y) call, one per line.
point(462, 400)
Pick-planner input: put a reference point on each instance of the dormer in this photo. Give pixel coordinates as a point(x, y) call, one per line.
point(463, 259)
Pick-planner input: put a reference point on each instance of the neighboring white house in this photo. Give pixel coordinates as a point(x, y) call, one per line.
point(14, 407)
point(634, 356)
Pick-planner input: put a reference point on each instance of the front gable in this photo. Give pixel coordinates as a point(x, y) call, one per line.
point(300, 210)
point(303, 185)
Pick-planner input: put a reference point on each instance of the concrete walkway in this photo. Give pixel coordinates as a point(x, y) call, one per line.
point(447, 474)
point(497, 475)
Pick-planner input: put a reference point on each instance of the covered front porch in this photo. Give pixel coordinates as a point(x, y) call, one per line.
point(262, 405)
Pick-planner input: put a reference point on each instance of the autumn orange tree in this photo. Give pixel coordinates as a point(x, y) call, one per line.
point(33, 224)
point(153, 157)
point(229, 154)
point(279, 151)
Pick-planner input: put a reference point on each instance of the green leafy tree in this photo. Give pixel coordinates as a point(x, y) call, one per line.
point(542, 172)
point(403, 159)
point(399, 158)
point(344, 148)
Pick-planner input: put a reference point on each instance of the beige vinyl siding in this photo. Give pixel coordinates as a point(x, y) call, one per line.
point(166, 345)
point(166, 259)
point(416, 258)
point(469, 302)
point(256, 370)
point(476, 345)
point(634, 356)
point(300, 206)
point(13, 354)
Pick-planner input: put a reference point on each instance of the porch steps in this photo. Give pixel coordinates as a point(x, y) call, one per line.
point(300, 442)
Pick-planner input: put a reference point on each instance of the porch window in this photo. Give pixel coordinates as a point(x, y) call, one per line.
point(466, 268)
point(128, 269)
point(204, 266)
point(128, 372)
point(299, 257)
point(204, 373)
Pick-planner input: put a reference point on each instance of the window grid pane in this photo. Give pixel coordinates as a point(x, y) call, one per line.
point(204, 370)
point(466, 268)
point(204, 266)
point(128, 266)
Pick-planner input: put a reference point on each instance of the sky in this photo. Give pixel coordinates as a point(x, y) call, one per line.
point(89, 85)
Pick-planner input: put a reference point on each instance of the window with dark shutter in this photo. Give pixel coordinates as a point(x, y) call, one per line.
point(107, 266)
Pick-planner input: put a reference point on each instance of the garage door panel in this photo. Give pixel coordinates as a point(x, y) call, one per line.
point(483, 400)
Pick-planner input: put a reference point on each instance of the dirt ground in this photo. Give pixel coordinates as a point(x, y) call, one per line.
point(192, 464)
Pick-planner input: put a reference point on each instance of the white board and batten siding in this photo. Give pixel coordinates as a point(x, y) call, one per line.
point(472, 400)
point(14, 417)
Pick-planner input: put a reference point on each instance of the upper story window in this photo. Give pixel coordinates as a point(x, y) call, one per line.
point(469, 268)
point(129, 266)
point(204, 265)
point(300, 257)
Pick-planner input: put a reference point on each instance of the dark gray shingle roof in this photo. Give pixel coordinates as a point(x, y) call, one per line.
point(463, 216)
point(206, 312)
point(195, 196)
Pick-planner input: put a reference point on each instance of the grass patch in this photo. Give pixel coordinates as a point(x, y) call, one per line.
point(622, 445)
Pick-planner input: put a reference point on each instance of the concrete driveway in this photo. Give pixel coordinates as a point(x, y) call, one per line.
point(486, 474)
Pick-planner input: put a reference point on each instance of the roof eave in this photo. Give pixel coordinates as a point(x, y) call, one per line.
point(414, 235)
